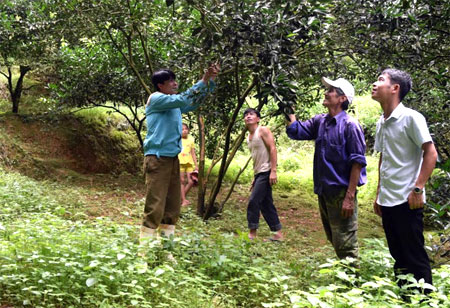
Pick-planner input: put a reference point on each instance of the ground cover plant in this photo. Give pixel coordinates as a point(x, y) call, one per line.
point(71, 197)
point(55, 254)
point(72, 242)
point(21, 196)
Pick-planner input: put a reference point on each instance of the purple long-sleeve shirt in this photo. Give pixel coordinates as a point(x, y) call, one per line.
point(339, 144)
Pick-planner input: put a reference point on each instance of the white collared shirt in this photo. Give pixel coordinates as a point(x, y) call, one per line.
point(400, 138)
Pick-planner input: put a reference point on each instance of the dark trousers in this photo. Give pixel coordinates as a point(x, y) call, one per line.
point(261, 202)
point(404, 234)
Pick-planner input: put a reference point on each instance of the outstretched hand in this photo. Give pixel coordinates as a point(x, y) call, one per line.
point(211, 72)
point(292, 119)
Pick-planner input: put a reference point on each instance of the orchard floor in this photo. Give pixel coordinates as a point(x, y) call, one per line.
point(121, 198)
point(41, 151)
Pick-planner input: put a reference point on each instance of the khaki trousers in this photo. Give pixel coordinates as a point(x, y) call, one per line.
point(163, 195)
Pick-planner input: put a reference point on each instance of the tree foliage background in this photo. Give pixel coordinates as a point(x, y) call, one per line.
point(103, 52)
point(26, 37)
point(409, 35)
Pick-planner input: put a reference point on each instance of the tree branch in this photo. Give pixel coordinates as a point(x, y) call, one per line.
point(145, 49)
point(216, 187)
point(137, 130)
point(30, 87)
point(129, 61)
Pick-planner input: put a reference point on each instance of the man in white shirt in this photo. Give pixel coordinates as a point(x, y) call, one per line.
point(408, 157)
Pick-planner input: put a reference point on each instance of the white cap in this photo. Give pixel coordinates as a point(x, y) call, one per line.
point(342, 84)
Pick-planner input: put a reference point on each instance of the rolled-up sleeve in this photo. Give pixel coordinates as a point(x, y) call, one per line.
point(356, 145)
point(302, 130)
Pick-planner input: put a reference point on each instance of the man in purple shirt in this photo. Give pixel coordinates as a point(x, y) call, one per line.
point(339, 164)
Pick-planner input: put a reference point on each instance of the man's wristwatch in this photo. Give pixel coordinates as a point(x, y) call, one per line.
point(418, 190)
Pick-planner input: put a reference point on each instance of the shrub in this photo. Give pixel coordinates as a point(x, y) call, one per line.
point(372, 286)
point(367, 111)
point(437, 211)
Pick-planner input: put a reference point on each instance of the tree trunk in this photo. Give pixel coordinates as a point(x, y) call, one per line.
point(15, 103)
point(212, 208)
point(222, 204)
point(201, 168)
point(17, 92)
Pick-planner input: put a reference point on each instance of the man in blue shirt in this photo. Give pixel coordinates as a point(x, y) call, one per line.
point(339, 164)
point(162, 146)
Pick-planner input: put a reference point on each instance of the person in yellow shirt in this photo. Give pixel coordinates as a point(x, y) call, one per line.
point(188, 163)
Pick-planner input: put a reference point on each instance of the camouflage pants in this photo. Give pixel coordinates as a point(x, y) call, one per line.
point(341, 232)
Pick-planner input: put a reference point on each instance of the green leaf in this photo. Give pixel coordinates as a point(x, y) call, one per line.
point(270, 305)
point(390, 293)
point(370, 284)
point(141, 267)
point(159, 272)
point(313, 300)
point(343, 275)
point(90, 282)
point(325, 271)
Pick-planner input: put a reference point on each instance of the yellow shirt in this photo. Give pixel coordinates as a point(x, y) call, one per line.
point(185, 156)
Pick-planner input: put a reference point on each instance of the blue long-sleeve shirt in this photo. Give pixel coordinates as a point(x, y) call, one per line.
point(164, 124)
point(339, 143)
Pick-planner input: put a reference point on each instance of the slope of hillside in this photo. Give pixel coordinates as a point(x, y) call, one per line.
point(44, 147)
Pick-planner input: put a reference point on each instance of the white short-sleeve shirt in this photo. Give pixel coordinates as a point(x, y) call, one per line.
point(400, 138)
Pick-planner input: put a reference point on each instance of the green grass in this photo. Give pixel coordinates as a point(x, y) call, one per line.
point(101, 115)
point(104, 117)
point(21, 196)
point(57, 262)
point(54, 253)
point(74, 243)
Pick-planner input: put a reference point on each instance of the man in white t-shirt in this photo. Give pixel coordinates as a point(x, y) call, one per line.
point(408, 157)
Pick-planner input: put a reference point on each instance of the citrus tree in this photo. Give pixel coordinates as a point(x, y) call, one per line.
point(26, 41)
point(409, 35)
point(272, 51)
point(267, 50)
